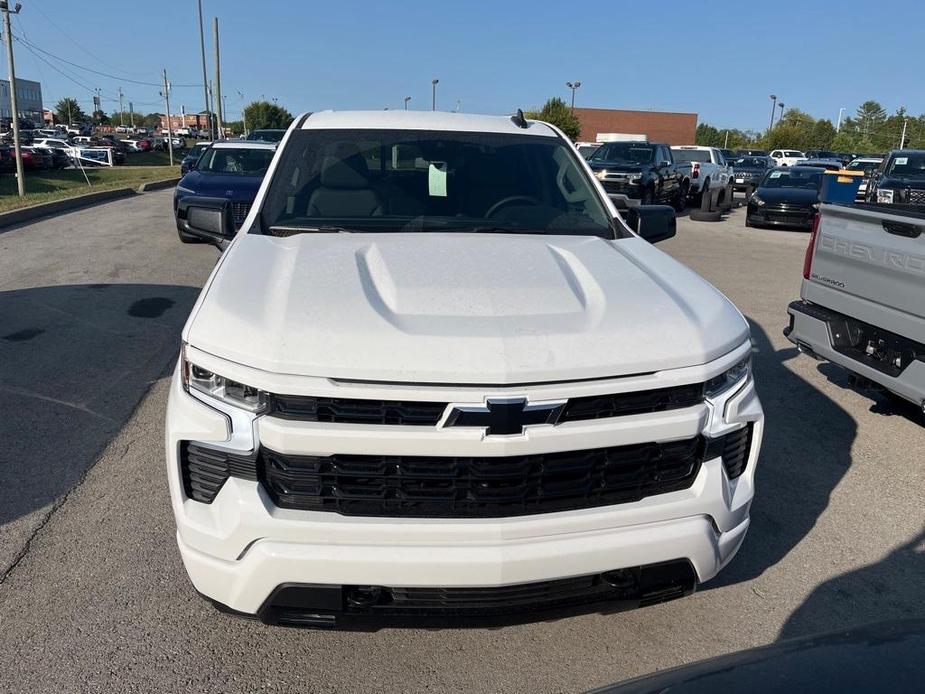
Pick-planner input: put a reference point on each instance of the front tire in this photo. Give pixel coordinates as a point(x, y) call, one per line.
point(681, 200)
point(647, 197)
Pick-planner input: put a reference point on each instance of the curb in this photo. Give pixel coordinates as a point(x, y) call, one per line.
point(48, 209)
point(158, 185)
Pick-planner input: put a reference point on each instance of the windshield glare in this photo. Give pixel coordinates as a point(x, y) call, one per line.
point(409, 181)
point(866, 166)
point(751, 163)
point(792, 179)
point(907, 166)
point(230, 160)
point(632, 152)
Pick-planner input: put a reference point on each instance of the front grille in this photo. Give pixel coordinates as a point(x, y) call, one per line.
point(406, 412)
point(479, 487)
point(336, 605)
point(915, 197)
point(617, 186)
point(353, 411)
point(206, 469)
point(735, 449)
point(239, 210)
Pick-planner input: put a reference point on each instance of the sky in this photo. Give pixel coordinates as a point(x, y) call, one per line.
point(719, 60)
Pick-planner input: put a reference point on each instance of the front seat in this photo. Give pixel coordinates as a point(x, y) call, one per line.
point(344, 190)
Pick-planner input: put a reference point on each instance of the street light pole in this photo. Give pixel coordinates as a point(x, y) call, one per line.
point(840, 111)
point(574, 87)
point(773, 109)
point(14, 108)
point(121, 110)
point(205, 78)
point(407, 99)
point(902, 138)
point(433, 102)
point(169, 129)
point(217, 97)
point(243, 114)
point(780, 105)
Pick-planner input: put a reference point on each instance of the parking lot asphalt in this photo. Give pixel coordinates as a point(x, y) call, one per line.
point(93, 596)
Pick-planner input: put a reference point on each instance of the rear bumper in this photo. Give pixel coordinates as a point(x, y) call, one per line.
point(817, 331)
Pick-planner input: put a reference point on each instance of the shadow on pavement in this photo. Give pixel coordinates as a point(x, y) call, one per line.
point(886, 590)
point(75, 360)
point(804, 455)
point(882, 401)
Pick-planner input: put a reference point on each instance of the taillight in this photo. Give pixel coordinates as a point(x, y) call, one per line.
point(695, 171)
point(811, 248)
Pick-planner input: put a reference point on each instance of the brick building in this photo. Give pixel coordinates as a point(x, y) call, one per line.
point(186, 120)
point(661, 126)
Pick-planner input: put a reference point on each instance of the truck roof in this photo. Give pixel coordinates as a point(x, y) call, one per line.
point(421, 120)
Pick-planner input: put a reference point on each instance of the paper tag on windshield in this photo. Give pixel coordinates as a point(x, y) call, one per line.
point(436, 179)
point(776, 174)
point(901, 161)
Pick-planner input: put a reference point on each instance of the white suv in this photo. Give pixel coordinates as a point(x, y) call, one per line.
point(436, 373)
point(787, 157)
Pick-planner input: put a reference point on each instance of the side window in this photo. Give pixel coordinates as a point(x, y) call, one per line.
point(664, 154)
point(718, 157)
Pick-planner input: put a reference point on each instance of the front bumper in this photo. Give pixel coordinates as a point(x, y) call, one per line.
point(794, 219)
point(241, 548)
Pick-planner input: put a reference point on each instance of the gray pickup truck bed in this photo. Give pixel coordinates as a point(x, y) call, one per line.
point(863, 295)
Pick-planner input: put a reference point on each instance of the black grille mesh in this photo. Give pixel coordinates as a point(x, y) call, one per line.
point(206, 469)
point(239, 210)
point(736, 446)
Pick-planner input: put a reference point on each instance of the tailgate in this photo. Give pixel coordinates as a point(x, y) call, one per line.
point(871, 253)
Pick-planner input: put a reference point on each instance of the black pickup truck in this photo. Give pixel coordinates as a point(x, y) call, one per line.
point(639, 173)
point(899, 179)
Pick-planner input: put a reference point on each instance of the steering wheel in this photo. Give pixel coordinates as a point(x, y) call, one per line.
point(508, 200)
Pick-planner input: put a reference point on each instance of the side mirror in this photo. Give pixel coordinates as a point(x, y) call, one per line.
point(206, 219)
point(654, 223)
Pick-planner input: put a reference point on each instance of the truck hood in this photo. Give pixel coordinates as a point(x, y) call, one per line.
point(461, 308)
point(618, 166)
point(897, 182)
point(218, 185)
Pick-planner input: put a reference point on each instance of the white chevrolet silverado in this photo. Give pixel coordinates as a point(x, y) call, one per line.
point(435, 373)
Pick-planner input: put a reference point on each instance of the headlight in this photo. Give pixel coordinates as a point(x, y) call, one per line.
point(758, 201)
point(884, 196)
point(181, 189)
point(221, 388)
point(729, 378)
point(601, 173)
point(635, 179)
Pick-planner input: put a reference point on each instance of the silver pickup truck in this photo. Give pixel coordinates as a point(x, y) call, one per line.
point(863, 296)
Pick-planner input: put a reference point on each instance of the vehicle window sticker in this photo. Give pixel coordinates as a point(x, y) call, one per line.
point(776, 174)
point(901, 161)
point(436, 179)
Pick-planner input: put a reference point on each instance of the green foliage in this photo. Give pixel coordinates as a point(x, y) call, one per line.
point(709, 136)
point(69, 106)
point(263, 114)
point(556, 112)
point(152, 121)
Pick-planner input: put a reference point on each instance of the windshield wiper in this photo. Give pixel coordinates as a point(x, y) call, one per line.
point(322, 229)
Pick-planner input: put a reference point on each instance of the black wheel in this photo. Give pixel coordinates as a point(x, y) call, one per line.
point(646, 197)
point(681, 200)
point(704, 189)
point(701, 216)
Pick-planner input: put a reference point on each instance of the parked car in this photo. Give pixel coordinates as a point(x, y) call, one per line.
point(192, 156)
point(50, 132)
point(7, 159)
point(266, 135)
point(749, 171)
point(861, 301)
point(230, 170)
point(827, 164)
point(786, 196)
point(704, 168)
point(136, 143)
point(611, 458)
point(123, 129)
point(900, 178)
point(728, 155)
point(639, 173)
point(42, 158)
point(179, 142)
point(824, 154)
point(586, 149)
point(868, 165)
point(752, 152)
point(32, 160)
point(787, 157)
point(79, 129)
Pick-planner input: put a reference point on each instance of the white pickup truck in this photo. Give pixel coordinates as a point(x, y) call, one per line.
point(863, 296)
point(435, 372)
point(704, 168)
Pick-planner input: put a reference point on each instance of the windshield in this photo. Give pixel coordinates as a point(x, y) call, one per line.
point(690, 155)
point(792, 153)
point(231, 160)
point(750, 163)
point(630, 152)
point(266, 135)
point(910, 165)
point(866, 166)
point(791, 178)
point(587, 150)
point(197, 150)
point(409, 180)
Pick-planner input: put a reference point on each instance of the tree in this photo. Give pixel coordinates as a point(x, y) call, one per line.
point(152, 121)
point(870, 116)
point(263, 114)
point(554, 111)
point(67, 110)
point(822, 134)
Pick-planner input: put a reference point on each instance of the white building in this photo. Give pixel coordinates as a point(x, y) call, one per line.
point(28, 98)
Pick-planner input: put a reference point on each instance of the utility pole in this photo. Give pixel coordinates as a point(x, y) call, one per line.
point(433, 102)
point(169, 129)
point(121, 111)
point(99, 105)
point(7, 36)
point(131, 114)
point(205, 77)
point(218, 80)
point(243, 113)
